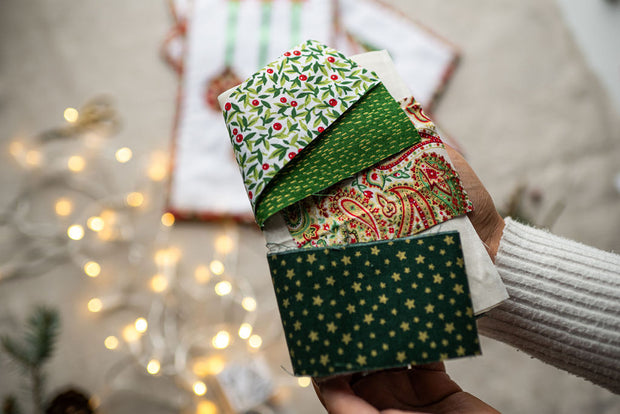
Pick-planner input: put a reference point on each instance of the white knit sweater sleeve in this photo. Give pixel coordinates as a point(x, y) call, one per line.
point(564, 305)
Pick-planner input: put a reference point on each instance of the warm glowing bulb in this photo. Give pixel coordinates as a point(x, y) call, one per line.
point(224, 244)
point(255, 341)
point(111, 342)
point(208, 366)
point(75, 232)
point(304, 381)
point(206, 407)
point(33, 158)
point(245, 330)
point(249, 304)
point(202, 274)
point(159, 283)
point(167, 219)
point(157, 172)
point(95, 305)
point(16, 148)
point(92, 269)
point(153, 367)
point(130, 334)
point(141, 325)
point(221, 340)
point(76, 163)
point(167, 256)
point(71, 115)
point(216, 267)
point(63, 207)
point(135, 199)
point(223, 288)
point(95, 223)
point(199, 388)
point(123, 155)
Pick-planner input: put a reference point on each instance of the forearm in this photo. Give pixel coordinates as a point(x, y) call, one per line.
point(564, 305)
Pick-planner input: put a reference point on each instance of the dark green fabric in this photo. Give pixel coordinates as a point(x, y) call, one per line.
point(374, 128)
point(374, 305)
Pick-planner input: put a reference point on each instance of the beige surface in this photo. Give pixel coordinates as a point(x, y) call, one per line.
point(522, 105)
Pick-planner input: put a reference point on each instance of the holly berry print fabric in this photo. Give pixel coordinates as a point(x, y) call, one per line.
point(278, 111)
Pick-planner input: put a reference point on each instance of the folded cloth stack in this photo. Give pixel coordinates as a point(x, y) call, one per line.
point(373, 261)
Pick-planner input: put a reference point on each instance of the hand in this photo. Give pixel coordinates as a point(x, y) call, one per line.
point(485, 218)
point(422, 389)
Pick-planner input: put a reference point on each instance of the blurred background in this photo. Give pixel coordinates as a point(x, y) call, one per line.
point(106, 129)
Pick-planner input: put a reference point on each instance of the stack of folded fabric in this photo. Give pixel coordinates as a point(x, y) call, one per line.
point(373, 260)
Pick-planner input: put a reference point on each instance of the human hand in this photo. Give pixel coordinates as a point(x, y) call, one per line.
point(486, 220)
point(422, 389)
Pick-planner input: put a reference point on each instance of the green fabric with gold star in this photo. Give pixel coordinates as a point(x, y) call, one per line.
point(375, 305)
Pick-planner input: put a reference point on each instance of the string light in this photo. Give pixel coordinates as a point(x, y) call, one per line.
point(123, 155)
point(255, 341)
point(167, 219)
point(245, 330)
point(130, 334)
point(206, 407)
point(33, 158)
point(95, 223)
point(249, 304)
point(217, 267)
point(221, 340)
point(16, 148)
point(158, 166)
point(208, 366)
point(224, 244)
point(167, 256)
point(71, 115)
point(134, 199)
point(92, 269)
point(153, 367)
point(111, 342)
point(63, 207)
point(141, 325)
point(304, 381)
point(199, 388)
point(95, 305)
point(223, 288)
point(76, 163)
point(202, 274)
point(159, 283)
point(75, 232)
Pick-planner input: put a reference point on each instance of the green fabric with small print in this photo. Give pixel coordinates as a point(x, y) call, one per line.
point(375, 305)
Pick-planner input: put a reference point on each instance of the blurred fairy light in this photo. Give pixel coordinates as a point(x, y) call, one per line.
point(16, 148)
point(92, 268)
point(167, 219)
point(135, 199)
point(202, 274)
point(130, 334)
point(206, 407)
point(224, 244)
point(153, 367)
point(95, 223)
point(76, 163)
point(168, 256)
point(95, 305)
point(158, 166)
point(71, 115)
point(255, 341)
point(304, 381)
point(245, 330)
point(217, 267)
point(200, 388)
point(223, 288)
point(141, 325)
point(33, 158)
point(123, 155)
point(75, 232)
point(63, 207)
point(159, 283)
point(249, 304)
point(221, 340)
point(208, 366)
point(111, 342)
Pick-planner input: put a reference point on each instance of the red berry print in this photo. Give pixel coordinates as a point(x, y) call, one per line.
point(265, 166)
point(334, 77)
point(255, 102)
point(331, 59)
point(250, 194)
point(299, 150)
point(293, 103)
point(235, 131)
point(321, 129)
point(297, 53)
point(227, 106)
point(270, 71)
point(287, 54)
point(333, 102)
point(303, 77)
point(239, 138)
point(291, 155)
point(283, 100)
point(277, 126)
point(367, 194)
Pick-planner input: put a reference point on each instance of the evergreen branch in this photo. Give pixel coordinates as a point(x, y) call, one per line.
point(43, 328)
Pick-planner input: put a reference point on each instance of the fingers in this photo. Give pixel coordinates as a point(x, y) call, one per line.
point(338, 397)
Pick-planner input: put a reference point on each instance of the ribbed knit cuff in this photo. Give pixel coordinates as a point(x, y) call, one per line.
point(564, 305)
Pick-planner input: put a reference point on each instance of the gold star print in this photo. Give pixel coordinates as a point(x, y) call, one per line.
point(358, 253)
point(314, 336)
point(374, 250)
point(443, 356)
point(458, 289)
point(386, 261)
point(377, 272)
point(410, 303)
point(361, 360)
point(449, 263)
point(400, 356)
point(442, 252)
point(367, 263)
point(334, 263)
point(360, 275)
point(469, 312)
point(460, 351)
point(346, 260)
point(320, 316)
point(297, 325)
point(423, 336)
point(317, 301)
point(324, 359)
point(368, 318)
point(385, 347)
point(382, 285)
point(316, 286)
point(429, 325)
point(345, 273)
point(431, 248)
point(459, 262)
point(283, 263)
point(373, 353)
point(369, 287)
point(448, 240)
point(392, 334)
point(309, 273)
point(401, 255)
point(404, 326)
point(437, 278)
point(299, 296)
point(407, 270)
point(331, 327)
point(429, 308)
point(449, 327)
point(431, 266)
point(322, 267)
point(419, 259)
point(351, 308)
point(326, 251)
point(394, 311)
point(346, 338)
point(286, 303)
point(311, 258)
point(330, 281)
point(396, 277)
point(299, 259)
point(383, 299)
point(290, 273)
point(357, 286)
point(375, 307)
